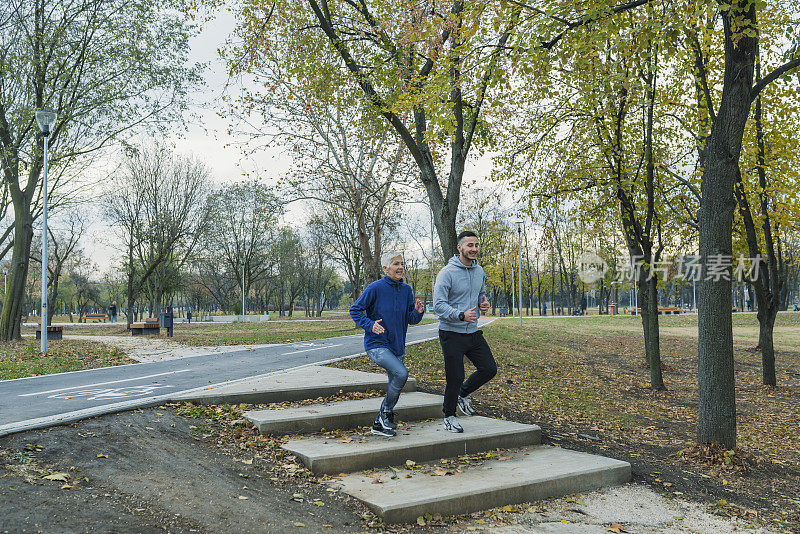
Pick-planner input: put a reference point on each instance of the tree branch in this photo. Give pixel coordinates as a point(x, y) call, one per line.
point(772, 76)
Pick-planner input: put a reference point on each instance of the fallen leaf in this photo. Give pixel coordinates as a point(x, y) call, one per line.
point(441, 472)
point(410, 463)
point(247, 462)
point(102, 456)
point(242, 498)
point(420, 519)
point(299, 524)
point(61, 477)
point(616, 527)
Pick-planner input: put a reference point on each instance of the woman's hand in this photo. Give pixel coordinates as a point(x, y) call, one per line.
point(419, 306)
point(378, 329)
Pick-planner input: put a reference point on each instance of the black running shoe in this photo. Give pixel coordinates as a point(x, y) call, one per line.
point(378, 430)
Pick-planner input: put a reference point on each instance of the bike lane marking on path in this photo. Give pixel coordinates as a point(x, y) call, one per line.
point(309, 350)
point(103, 383)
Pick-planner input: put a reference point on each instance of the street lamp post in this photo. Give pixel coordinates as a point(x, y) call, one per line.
point(45, 120)
point(519, 267)
point(612, 295)
point(635, 289)
point(242, 289)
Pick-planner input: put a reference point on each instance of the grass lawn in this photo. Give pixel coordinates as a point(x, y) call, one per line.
point(211, 334)
point(269, 332)
point(585, 381)
point(22, 358)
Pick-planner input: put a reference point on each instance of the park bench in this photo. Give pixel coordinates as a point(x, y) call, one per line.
point(96, 316)
point(148, 328)
point(661, 311)
point(53, 332)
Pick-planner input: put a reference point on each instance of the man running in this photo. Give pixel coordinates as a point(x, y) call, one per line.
point(459, 292)
point(384, 310)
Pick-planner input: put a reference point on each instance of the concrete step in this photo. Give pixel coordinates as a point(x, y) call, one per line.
point(346, 414)
point(419, 442)
point(298, 384)
point(531, 473)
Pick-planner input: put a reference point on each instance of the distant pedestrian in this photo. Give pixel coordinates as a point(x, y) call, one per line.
point(459, 292)
point(384, 310)
point(189, 315)
point(112, 311)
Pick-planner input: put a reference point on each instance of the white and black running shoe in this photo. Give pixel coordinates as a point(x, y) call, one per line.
point(385, 420)
point(451, 424)
point(378, 430)
point(465, 405)
point(388, 420)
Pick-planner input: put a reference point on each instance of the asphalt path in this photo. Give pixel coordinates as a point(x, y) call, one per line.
point(39, 401)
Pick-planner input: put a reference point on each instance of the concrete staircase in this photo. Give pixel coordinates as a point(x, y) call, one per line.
point(527, 471)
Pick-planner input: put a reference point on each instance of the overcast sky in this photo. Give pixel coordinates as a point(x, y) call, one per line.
point(207, 139)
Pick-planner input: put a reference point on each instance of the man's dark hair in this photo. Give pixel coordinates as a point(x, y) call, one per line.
point(466, 233)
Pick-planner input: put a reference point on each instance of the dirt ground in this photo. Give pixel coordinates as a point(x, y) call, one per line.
point(149, 471)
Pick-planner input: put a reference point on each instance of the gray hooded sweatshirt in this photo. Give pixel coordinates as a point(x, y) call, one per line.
point(458, 289)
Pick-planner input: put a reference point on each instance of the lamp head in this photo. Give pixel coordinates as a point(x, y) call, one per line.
point(45, 119)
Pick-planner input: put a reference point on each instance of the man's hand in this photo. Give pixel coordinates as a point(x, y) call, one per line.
point(378, 329)
point(471, 315)
point(419, 306)
point(484, 305)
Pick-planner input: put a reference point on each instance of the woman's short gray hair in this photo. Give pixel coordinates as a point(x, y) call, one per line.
point(387, 257)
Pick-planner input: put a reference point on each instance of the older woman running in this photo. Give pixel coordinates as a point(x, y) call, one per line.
point(384, 310)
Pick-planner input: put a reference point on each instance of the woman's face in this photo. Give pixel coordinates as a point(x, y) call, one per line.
point(395, 268)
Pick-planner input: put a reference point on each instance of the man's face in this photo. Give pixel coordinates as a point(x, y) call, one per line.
point(469, 247)
point(395, 268)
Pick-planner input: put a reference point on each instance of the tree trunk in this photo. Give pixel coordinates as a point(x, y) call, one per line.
point(766, 325)
point(18, 274)
point(651, 332)
point(716, 382)
point(53, 294)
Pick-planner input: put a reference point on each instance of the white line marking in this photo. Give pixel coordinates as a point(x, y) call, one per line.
point(104, 383)
point(309, 350)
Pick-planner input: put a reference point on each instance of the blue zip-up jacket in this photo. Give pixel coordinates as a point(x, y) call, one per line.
point(391, 301)
point(458, 288)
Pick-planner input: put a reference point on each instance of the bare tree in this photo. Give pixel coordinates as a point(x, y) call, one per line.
point(344, 158)
point(245, 221)
point(158, 205)
point(62, 243)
